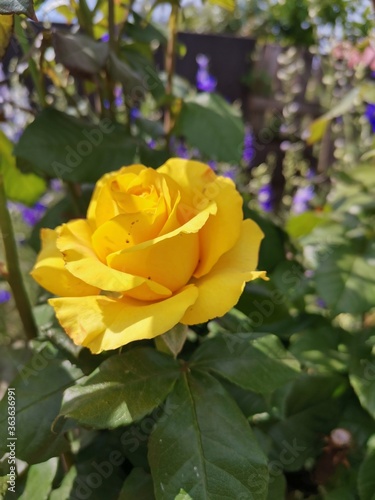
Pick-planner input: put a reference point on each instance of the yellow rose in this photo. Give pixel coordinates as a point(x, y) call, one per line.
point(158, 247)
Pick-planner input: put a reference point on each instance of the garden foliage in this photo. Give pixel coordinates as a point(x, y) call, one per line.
point(277, 396)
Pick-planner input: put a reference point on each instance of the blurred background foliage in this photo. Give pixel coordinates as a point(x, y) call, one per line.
point(288, 113)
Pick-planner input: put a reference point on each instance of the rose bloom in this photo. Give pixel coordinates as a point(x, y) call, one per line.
point(158, 247)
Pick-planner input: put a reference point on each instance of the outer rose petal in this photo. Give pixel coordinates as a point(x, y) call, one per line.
point(50, 273)
point(74, 243)
point(169, 259)
point(201, 184)
point(220, 290)
point(101, 323)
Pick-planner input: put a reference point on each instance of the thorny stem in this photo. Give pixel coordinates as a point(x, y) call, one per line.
point(13, 274)
point(170, 60)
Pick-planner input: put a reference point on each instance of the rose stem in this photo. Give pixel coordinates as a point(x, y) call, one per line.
point(170, 60)
point(13, 275)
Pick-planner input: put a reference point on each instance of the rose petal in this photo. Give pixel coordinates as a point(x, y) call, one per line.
point(50, 273)
point(169, 259)
point(102, 323)
point(220, 290)
point(201, 185)
point(81, 261)
point(126, 230)
point(170, 262)
point(102, 206)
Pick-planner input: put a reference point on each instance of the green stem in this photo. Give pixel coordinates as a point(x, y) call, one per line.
point(84, 16)
point(112, 48)
point(25, 47)
point(122, 26)
point(170, 61)
point(14, 275)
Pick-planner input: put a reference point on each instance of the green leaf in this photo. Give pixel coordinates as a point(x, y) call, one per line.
point(137, 486)
point(6, 30)
point(367, 91)
point(321, 348)
point(272, 250)
point(366, 478)
point(66, 486)
point(100, 465)
point(277, 487)
point(144, 67)
point(80, 53)
point(362, 371)
point(213, 126)
point(344, 276)
point(309, 409)
point(39, 388)
point(257, 362)
point(142, 30)
point(151, 128)
point(229, 5)
point(26, 188)
point(183, 496)
point(289, 279)
point(126, 388)
point(153, 158)
point(205, 445)
point(59, 145)
point(39, 480)
point(300, 225)
point(132, 83)
point(18, 7)
point(174, 339)
point(318, 127)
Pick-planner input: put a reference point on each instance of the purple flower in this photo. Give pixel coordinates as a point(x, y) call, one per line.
point(212, 164)
point(4, 296)
point(265, 197)
point(134, 114)
point(320, 303)
point(105, 38)
point(181, 150)
point(302, 199)
point(56, 185)
point(119, 100)
point(370, 115)
point(248, 147)
point(205, 81)
point(30, 215)
point(202, 61)
point(230, 174)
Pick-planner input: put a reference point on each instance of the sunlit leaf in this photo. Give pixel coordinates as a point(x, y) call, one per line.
point(6, 30)
point(225, 4)
point(124, 390)
point(26, 188)
point(205, 446)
